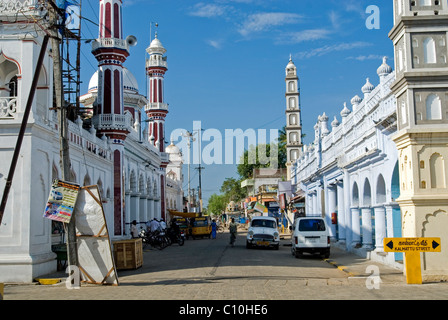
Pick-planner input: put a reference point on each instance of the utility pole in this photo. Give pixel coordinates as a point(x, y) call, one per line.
point(55, 18)
point(199, 168)
point(190, 138)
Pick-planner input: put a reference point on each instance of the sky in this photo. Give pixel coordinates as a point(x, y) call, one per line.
point(227, 60)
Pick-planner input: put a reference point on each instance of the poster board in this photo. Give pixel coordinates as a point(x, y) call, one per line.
point(96, 262)
point(61, 201)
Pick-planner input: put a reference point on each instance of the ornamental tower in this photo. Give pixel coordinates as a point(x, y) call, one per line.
point(111, 51)
point(293, 119)
point(156, 109)
point(421, 88)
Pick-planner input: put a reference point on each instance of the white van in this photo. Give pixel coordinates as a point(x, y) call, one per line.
point(310, 235)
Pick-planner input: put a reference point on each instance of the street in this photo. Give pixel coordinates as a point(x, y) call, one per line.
point(207, 269)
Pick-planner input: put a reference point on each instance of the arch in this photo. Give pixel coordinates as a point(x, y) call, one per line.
point(292, 103)
point(437, 170)
point(355, 195)
point(395, 183)
point(141, 184)
point(380, 190)
point(87, 181)
point(429, 50)
point(133, 182)
point(291, 86)
point(433, 107)
point(292, 119)
point(4, 58)
point(367, 194)
point(293, 137)
point(100, 188)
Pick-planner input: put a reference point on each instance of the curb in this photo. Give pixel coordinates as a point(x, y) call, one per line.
point(340, 267)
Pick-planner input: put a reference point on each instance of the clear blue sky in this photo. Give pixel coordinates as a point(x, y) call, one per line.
point(227, 59)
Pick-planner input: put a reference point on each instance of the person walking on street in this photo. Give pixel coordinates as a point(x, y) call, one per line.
point(232, 229)
point(214, 227)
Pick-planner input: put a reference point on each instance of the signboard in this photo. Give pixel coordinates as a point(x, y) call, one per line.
point(412, 245)
point(282, 199)
point(61, 202)
point(95, 257)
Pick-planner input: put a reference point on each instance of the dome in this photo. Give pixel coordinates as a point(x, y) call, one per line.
point(156, 47)
point(172, 149)
point(129, 81)
point(356, 100)
point(93, 83)
point(384, 69)
point(368, 87)
point(346, 111)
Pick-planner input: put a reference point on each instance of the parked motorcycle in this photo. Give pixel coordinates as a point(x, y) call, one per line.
point(176, 236)
point(154, 239)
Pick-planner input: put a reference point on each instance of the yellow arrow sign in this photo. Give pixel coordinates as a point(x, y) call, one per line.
point(412, 245)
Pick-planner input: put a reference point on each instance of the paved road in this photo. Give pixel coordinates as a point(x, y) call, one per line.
point(207, 269)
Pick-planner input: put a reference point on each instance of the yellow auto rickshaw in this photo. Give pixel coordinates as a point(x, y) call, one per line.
point(199, 227)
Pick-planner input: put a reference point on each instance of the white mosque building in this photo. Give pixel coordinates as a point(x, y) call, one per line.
point(349, 173)
point(138, 177)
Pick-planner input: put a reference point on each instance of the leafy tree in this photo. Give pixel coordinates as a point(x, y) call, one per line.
point(216, 204)
point(260, 157)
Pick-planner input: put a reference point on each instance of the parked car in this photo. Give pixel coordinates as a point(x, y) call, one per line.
point(263, 232)
point(310, 235)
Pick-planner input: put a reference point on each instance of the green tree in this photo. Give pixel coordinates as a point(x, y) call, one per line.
point(260, 157)
point(232, 190)
point(216, 204)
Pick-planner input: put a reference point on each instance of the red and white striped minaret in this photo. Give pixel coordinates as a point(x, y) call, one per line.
point(156, 109)
point(111, 51)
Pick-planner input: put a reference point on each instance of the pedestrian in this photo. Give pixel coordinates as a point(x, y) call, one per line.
point(214, 227)
point(162, 224)
point(154, 225)
point(232, 229)
point(134, 230)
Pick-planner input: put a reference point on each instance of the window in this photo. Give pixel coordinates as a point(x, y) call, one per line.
point(292, 120)
point(292, 103)
point(433, 107)
point(429, 50)
point(13, 87)
point(291, 86)
point(263, 223)
point(311, 225)
point(437, 170)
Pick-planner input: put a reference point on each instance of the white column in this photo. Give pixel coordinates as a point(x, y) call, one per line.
point(314, 203)
point(367, 240)
point(135, 197)
point(356, 227)
point(341, 213)
point(331, 208)
point(142, 211)
point(348, 214)
point(380, 227)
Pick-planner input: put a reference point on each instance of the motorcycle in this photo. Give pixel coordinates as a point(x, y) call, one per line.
point(174, 236)
point(154, 239)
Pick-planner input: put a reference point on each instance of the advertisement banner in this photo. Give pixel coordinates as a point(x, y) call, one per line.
point(61, 201)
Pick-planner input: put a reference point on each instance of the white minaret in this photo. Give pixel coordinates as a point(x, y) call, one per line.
point(293, 119)
point(421, 88)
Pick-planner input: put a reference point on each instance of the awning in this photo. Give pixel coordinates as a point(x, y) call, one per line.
point(182, 214)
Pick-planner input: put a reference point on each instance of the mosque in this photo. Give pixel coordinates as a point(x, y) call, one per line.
point(139, 177)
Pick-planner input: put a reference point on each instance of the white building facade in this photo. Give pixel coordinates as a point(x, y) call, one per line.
point(132, 184)
point(349, 173)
